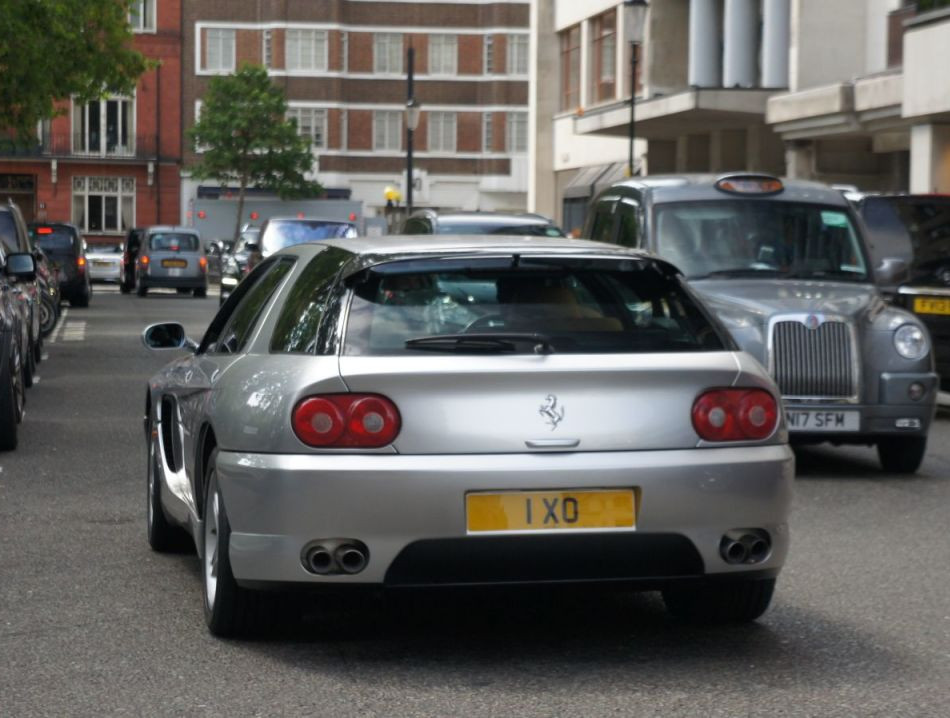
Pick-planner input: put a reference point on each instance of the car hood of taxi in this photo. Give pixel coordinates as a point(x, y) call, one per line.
point(749, 306)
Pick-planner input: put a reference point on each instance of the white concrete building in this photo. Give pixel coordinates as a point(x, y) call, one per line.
point(870, 101)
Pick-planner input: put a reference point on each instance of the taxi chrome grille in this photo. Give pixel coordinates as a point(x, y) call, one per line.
point(815, 362)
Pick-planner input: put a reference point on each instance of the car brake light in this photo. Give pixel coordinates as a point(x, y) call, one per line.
point(203, 263)
point(143, 260)
point(735, 414)
point(44, 230)
point(81, 264)
point(362, 421)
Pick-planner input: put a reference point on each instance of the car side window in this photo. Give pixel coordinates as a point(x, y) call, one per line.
point(602, 228)
point(237, 331)
point(308, 302)
point(628, 219)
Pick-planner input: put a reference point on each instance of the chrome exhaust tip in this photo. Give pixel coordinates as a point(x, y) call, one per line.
point(319, 560)
point(351, 558)
point(733, 551)
point(745, 546)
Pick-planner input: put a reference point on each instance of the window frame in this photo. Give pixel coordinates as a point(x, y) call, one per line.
point(444, 60)
point(315, 42)
point(124, 194)
point(218, 40)
point(515, 121)
point(387, 46)
point(603, 53)
point(295, 112)
point(146, 20)
point(515, 60)
point(570, 64)
point(440, 123)
point(82, 139)
point(383, 119)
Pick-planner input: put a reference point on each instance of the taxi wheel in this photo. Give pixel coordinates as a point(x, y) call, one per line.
point(901, 454)
point(230, 610)
point(201, 293)
point(736, 601)
point(141, 290)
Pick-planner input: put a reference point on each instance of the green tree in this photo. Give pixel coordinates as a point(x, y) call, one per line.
point(52, 50)
point(243, 133)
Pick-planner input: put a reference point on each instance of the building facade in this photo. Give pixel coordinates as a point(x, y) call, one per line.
point(111, 164)
point(342, 65)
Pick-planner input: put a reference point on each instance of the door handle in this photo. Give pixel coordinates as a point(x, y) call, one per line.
point(552, 443)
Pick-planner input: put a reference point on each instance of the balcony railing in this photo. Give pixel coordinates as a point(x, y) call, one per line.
point(90, 146)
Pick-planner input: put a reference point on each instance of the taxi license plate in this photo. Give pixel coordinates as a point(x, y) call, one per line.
point(822, 420)
point(174, 263)
point(550, 510)
point(931, 305)
point(100, 263)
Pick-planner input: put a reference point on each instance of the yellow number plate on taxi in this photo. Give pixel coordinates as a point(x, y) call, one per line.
point(931, 305)
point(174, 263)
point(547, 510)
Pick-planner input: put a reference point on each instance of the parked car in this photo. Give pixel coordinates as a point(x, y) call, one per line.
point(345, 421)
point(172, 257)
point(785, 265)
point(66, 249)
point(47, 275)
point(915, 229)
point(15, 239)
point(130, 255)
point(105, 262)
point(15, 269)
point(427, 221)
point(234, 263)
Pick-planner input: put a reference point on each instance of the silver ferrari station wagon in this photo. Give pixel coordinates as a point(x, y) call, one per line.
point(784, 264)
point(468, 411)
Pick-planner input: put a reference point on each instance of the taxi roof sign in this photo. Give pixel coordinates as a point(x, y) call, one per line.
point(750, 184)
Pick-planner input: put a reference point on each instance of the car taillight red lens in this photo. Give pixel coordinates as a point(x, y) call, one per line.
point(81, 264)
point(735, 415)
point(203, 263)
point(346, 421)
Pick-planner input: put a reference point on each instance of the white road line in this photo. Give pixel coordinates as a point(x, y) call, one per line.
point(75, 332)
point(62, 323)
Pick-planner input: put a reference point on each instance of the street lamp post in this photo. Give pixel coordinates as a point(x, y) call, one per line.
point(413, 110)
point(634, 23)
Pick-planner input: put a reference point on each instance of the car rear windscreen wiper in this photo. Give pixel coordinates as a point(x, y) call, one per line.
point(488, 342)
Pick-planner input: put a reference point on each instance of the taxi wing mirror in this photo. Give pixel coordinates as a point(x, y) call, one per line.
point(891, 271)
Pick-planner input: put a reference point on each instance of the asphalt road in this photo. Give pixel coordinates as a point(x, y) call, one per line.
point(93, 623)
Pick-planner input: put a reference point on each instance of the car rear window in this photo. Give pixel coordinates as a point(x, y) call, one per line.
point(578, 306)
point(173, 242)
point(53, 239)
point(532, 230)
point(286, 233)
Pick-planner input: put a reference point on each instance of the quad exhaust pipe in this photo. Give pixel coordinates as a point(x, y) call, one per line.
point(745, 546)
point(327, 557)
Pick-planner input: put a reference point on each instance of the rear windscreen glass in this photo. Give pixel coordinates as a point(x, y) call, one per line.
point(286, 233)
point(53, 239)
point(532, 230)
point(579, 306)
point(173, 242)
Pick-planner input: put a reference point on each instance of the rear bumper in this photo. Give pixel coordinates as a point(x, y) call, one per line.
point(409, 511)
point(174, 282)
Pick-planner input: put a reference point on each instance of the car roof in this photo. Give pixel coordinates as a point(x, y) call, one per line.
point(172, 228)
point(695, 187)
point(514, 218)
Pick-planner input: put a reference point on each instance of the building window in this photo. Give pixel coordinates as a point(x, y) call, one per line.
point(571, 68)
point(387, 52)
point(441, 132)
point(517, 55)
point(516, 129)
point(142, 15)
point(344, 51)
point(104, 204)
point(306, 50)
point(489, 54)
point(443, 54)
point(387, 130)
point(488, 133)
point(268, 49)
point(311, 123)
point(603, 48)
point(219, 53)
point(105, 127)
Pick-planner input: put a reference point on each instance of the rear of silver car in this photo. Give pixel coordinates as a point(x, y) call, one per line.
point(558, 444)
point(172, 258)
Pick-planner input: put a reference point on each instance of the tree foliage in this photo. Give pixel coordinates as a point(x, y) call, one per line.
point(244, 134)
point(51, 50)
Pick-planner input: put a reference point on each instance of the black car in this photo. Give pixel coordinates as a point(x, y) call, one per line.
point(15, 239)
point(427, 221)
point(15, 351)
point(915, 229)
point(133, 244)
point(63, 244)
point(236, 263)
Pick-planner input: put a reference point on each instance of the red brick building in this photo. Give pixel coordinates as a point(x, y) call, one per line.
point(114, 163)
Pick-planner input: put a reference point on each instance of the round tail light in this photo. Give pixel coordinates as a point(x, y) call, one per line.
point(735, 415)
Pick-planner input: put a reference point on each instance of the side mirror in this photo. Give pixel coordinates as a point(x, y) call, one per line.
point(21, 265)
point(891, 271)
point(252, 247)
point(167, 335)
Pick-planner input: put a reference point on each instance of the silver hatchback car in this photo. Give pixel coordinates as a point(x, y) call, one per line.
point(458, 411)
point(172, 257)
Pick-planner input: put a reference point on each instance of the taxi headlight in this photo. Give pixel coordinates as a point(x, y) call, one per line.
point(911, 341)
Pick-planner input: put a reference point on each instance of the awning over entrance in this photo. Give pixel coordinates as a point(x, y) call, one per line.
point(671, 116)
point(590, 180)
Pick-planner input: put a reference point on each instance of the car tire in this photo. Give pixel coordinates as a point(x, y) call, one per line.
point(163, 536)
point(731, 601)
point(201, 293)
point(11, 407)
point(38, 350)
point(901, 454)
point(124, 288)
point(229, 609)
point(141, 290)
point(48, 315)
point(183, 290)
point(29, 367)
point(82, 299)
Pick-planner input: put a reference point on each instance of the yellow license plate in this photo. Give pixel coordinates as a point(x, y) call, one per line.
point(931, 305)
point(174, 263)
point(550, 510)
